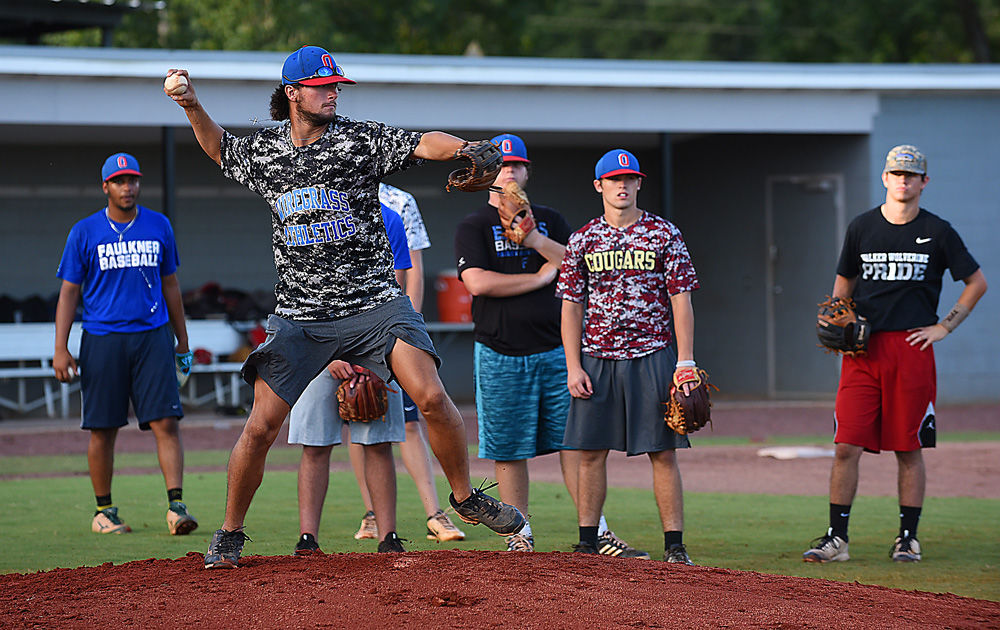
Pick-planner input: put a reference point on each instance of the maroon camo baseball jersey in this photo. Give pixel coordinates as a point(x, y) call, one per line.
point(625, 277)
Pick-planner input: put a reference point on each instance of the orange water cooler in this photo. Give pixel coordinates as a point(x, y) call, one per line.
point(454, 302)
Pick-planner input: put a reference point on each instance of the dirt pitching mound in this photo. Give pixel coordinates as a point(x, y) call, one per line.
point(462, 589)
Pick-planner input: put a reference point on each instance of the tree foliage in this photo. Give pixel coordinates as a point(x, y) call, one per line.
point(861, 31)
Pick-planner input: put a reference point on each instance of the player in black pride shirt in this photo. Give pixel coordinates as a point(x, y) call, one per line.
point(892, 264)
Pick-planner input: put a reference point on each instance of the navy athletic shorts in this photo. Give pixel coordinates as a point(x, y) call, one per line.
point(119, 367)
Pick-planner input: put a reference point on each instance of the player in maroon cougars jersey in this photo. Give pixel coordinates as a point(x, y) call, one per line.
point(622, 274)
point(337, 293)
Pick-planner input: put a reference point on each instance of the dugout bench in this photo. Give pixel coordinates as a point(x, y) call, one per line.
point(26, 354)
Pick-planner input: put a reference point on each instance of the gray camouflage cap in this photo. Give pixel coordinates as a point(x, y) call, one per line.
point(907, 158)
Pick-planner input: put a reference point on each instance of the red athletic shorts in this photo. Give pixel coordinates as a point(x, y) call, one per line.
point(885, 401)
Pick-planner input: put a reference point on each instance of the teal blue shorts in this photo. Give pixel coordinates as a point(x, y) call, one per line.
point(522, 403)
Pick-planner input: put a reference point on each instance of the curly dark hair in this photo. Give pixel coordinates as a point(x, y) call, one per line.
point(279, 104)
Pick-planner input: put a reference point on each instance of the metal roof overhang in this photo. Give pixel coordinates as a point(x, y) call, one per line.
point(122, 87)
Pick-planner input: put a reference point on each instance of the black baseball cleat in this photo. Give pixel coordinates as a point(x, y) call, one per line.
point(224, 550)
point(391, 544)
point(307, 546)
point(482, 508)
point(677, 554)
point(585, 547)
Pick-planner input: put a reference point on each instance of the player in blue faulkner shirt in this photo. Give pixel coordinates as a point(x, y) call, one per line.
point(122, 261)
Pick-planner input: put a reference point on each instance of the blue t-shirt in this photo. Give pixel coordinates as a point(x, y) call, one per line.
point(396, 232)
point(120, 273)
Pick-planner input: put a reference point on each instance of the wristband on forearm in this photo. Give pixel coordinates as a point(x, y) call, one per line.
point(954, 317)
point(686, 364)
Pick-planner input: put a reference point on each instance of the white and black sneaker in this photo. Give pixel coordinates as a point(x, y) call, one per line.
point(905, 549)
point(828, 548)
point(610, 545)
point(520, 542)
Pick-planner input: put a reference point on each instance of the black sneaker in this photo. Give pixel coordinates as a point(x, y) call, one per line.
point(610, 545)
point(224, 550)
point(307, 546)
point(677, 554)
point(391, 544)
point(585, 547)
point(482, 508)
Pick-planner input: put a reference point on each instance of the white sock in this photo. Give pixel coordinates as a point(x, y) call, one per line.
point(602, 527)
point(526, 530)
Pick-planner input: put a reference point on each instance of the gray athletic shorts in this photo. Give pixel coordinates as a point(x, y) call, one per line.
point(625, 412)
point(314, 420)
point(294, 352)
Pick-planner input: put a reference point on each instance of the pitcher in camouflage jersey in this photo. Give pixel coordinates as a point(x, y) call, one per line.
point(622, 274)
point(337, 293)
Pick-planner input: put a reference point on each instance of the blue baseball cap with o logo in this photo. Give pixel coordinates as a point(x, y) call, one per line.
point(617, 162)
point(120, 164)
point(312, 65)
point(512, 147)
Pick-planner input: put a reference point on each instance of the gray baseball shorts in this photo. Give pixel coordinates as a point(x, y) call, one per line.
point(625, 412)
point(315, 421)
point(294, 352)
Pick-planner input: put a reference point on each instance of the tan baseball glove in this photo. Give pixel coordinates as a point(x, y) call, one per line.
point(486, 161)
point(515, 212)
point(363, 398)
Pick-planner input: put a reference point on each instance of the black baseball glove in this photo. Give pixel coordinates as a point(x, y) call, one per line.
point(839, 327)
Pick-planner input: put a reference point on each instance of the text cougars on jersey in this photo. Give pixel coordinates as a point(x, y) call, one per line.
point(619, 259)
point(894, 266)
point(128, 254)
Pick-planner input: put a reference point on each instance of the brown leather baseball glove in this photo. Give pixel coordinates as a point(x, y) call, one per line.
point(687, 413)
point(515, 212)
point(485, 159)
point(363, 398)
point(840, 328)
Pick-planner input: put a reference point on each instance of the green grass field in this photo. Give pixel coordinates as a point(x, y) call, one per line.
point(46, 524)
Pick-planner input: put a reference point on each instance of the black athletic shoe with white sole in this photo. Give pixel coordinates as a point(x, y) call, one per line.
point(225, 548)
point(482, 508)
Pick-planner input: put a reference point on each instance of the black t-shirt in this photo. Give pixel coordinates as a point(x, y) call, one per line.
point(522, 324)
point(899, 267)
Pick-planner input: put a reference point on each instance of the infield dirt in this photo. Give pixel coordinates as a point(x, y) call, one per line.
point(467, 589)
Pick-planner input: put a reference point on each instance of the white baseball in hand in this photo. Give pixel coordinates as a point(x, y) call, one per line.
point(175, 84)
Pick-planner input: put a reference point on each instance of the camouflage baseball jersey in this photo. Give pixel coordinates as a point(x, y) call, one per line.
point(625, 277)
point(403, 204)
point(330, 247)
